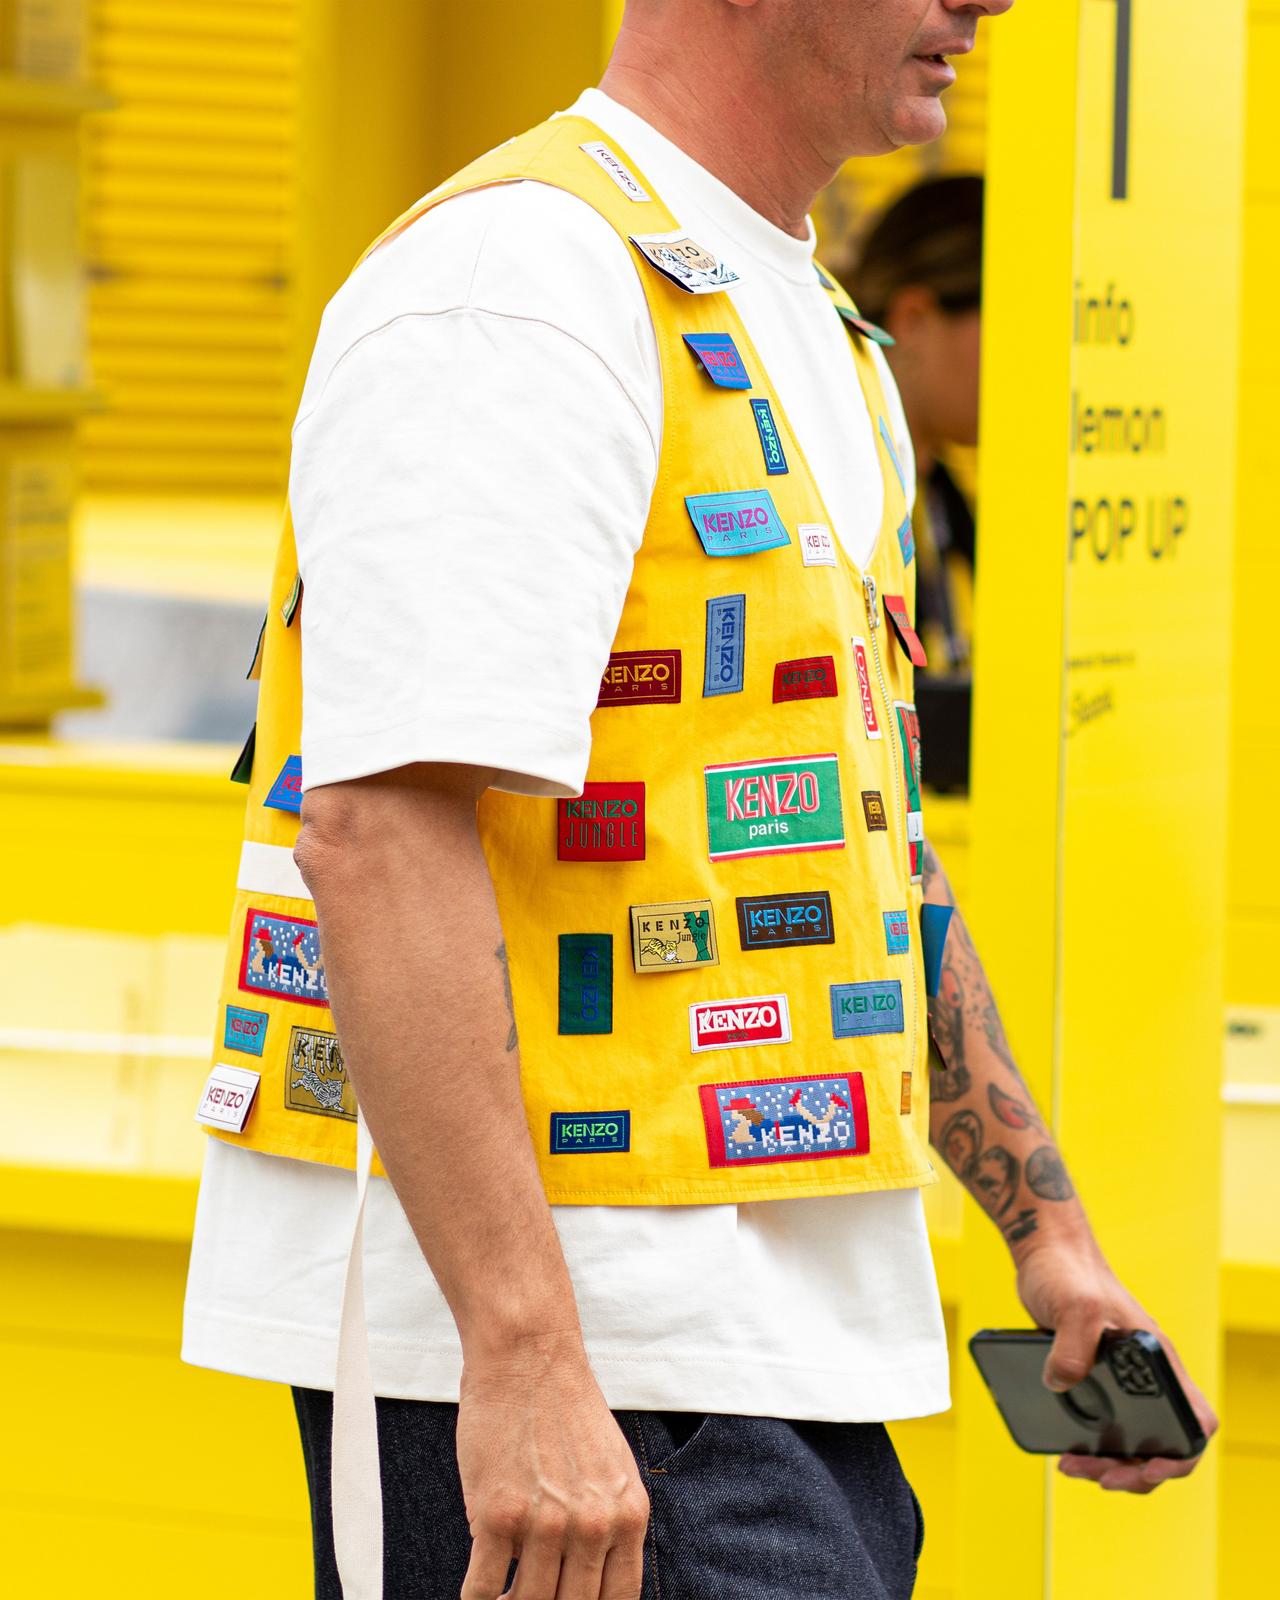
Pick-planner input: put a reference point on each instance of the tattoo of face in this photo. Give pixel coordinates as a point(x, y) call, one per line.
point(501, 952)
point(961, 1143)
point(994, 1180)
point(948, 1083)
point(1020, 1226)
point(1047, 1176)
point(1012, 1112)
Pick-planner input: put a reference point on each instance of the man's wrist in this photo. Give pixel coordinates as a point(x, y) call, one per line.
point(1060, 1226)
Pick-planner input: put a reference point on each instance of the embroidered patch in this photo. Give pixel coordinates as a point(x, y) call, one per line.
point(282, 956)
point(909, 733)
point(863, 1008)
point(586, 983)
point(896, 609)
point(289, 610)
point(867, 329)
point(604, 157)
point(817, 547)
point(861, 666)
point(228, 1098)
point(892, 448)
point(731, 1024)
point(775, 462)
point(605, 824)
point(743, 522)
point(897, 933)
point(811, 678)
point(316, 1076)
point(286, 792)
point(720, 359)
point(760, 808)
point(770, 921)
point(907, 541)
point(586, 1132)
point(245, 1031)
point(726, 644)
point(934, 923)
point(684, 262)
point(681, 933)
point(785, 1119)
point(873, 809)
point(904, 1102)
point(641, 678)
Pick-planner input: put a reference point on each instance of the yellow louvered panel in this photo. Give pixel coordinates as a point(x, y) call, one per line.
point(192, 187)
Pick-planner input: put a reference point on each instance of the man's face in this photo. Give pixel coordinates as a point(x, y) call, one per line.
point(871, 73)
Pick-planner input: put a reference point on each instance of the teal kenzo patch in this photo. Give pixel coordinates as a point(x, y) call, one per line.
point(586, 983)
point(862, 1008)
point(589, 1132)
point(775, 461)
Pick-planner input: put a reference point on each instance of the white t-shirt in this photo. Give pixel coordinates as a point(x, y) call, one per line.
point(473, 460)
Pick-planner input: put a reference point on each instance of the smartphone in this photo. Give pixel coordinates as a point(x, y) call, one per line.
point(1130, 1405)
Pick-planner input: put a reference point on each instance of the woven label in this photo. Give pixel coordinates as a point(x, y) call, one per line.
point(281, 956)
point(726, 644)
point(586, 983)
point(680, 933)
point(774, 807)
point(769, 921)
point(858, 1009)
point(775, 462)
point(605, 158)
point(720, 359)
point(811, 678)
point(228, 1098)
point(730, 1024)
point(576, 1133)
point(742, 522)
point(641, 678)
point(606, 823)
point(785, 1119)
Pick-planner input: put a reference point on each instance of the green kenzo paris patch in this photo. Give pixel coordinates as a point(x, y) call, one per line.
point(761, 808)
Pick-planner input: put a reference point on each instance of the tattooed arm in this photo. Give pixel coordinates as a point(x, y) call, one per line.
point(986, 1126)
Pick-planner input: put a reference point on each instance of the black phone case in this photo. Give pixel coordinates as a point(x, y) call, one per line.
point(1131, 1404)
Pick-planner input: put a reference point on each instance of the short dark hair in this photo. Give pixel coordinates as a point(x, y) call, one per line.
point(931, 238)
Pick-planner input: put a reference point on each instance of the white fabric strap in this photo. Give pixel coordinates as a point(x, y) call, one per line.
point(356, 1478)
point(269, 869)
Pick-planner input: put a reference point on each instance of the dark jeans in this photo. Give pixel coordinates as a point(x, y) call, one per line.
point(744, 1508)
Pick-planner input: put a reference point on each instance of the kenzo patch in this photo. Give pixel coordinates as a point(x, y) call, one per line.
point(730, 1024)
point(586, 983)
point(641, 678)
point(726, 644)
point(285, 793)
point(817, 547)
point(625, 180)
point(282, 956)
point(576, 1133)
point(858, 1009)
point(873, 810)
point(245, 1031)
point(606, 823)
point(679, 933)
point(906, 541)
point(775, 461)
point(784, 1119)
point(316, 1075)
point(896, 608)
point(773, 921)
point(720, 359)
point(742, 522)
point(773, 807)
point(684, 262)
point(810, 678)
point(866, 697)
point(897, 933)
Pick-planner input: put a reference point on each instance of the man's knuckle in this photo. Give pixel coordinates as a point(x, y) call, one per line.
point(550, 1524)
point(506, 1517)
point(592, 1525)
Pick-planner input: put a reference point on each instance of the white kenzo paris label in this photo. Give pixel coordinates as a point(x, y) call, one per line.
point(728, 1024)
point(228, 1098)
point(604, 157)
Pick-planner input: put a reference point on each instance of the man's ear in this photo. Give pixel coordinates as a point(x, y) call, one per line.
point(909, 311)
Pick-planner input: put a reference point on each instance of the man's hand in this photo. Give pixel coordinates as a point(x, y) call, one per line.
point(549, 1481)
point(1067, 1286)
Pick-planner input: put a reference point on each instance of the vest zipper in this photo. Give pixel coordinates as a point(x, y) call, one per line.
point(899, 807)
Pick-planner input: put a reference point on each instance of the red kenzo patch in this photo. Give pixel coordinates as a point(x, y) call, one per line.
point(896, 607)
point(641, 678)
point(605, 823)
point(811, 678)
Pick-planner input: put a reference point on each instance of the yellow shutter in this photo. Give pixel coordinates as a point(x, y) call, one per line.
point(191, 202)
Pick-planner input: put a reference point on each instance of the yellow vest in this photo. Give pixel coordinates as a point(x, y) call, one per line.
point(714, 952)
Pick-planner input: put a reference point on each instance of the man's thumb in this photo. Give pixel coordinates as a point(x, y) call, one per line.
point(1072, 1354)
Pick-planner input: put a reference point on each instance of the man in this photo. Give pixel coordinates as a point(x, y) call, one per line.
point(561, 653)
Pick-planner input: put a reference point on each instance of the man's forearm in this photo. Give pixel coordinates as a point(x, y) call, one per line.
point(983, 1119)
point(417, 974)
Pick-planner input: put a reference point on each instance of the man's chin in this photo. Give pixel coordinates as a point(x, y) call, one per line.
point(918, 119)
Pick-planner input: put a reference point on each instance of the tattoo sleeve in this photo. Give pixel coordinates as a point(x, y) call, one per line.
point(983, 1121)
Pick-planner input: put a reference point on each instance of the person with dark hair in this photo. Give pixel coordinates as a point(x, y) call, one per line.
point(919, 275)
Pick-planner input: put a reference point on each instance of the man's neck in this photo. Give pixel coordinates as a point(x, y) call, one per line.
point(734, 134)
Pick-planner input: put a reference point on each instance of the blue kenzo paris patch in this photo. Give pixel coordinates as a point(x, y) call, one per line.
point(589, 1132)
point(740, 523)
point(720, 359)
point(862, 1008)
point(286, 792)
